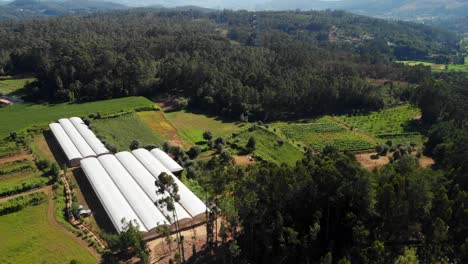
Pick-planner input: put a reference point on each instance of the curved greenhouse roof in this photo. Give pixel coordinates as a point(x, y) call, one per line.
point(77, 139)
point(146, 181)
point(166, 160)
point(148, 213)
point(110, 196)
point(89, 136)
point(191, 203)
point(72, 153)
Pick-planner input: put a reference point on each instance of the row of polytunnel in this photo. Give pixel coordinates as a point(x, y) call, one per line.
point(125, 182)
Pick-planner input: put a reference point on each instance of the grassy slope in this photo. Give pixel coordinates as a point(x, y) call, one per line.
point(438, 67)
point(28, 237)
point(22, 116)
point(191, 126)
point(268, 148)
point(8, 86)
point(120, 131)
point(157, 121)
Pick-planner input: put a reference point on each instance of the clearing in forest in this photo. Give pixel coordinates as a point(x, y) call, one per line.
point(9, 85)
point(22, 116)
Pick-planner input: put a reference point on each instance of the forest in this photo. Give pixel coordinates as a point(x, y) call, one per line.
point(265, 65)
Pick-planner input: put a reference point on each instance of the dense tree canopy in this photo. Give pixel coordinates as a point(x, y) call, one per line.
point(266, 65)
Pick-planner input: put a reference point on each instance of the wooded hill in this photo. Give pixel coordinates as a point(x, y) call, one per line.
point(267, 65)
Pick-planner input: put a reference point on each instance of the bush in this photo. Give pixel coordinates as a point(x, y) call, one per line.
point(251, 144)
point(207, 135)
point(374, 157)
point(194, 152)
point(43, 165)
point(181, 103)
point(135, 144)
point(226, 156)
point(18, 203)
point(220, 140)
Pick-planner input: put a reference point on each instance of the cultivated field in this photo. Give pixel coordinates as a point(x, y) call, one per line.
point(122, 130)
point(31, 236)
point(324, 132)
point(22, 116)
point(9, 85)
point(396, 124)
point(157, 121)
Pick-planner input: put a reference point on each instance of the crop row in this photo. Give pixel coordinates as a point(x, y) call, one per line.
point(33, 184)
point(18, 203)
point(15, 167)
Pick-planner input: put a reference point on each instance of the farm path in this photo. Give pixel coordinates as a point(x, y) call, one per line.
point(21, 155)
point(42, 189)
point(53, 222)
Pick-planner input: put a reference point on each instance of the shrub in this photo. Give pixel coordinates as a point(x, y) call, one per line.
point(194, 152)
point(375, 157)
point(181, 103)
point(251, 144)
point(220, 140)
point(135, 144)
point(207, 135)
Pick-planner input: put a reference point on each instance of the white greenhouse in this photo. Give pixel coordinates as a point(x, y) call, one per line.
point(191, 203)
point(89, 136)
point(111, 198)
point(71, 152)
point(146, 181)
point(148, 213)
point(77, 139)
point(166, 160)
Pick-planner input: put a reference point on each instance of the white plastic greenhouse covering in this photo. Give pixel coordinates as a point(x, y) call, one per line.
point(148, 213)
point(77, 139)
point(191, 203)
point(166, 160)
point(89, 136)
point(72, 153)
point(146, 181)
point(111, 199)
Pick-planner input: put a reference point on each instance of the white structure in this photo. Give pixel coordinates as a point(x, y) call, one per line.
point(166, 160)
point(71, 152)
point(148, 213)
point(110, 196)
point(191, 203)
point(77, 139)
point(146, 181)
point(89, 136)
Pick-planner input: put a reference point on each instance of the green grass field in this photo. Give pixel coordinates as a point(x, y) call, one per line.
point(22, 116)
point(10, 85)
point(393, 123)
point(121, 131)
point(324, 132)
point(191, 126)
point(18, 179)
point(28, 236)
point(268, 148)
point(438, 67)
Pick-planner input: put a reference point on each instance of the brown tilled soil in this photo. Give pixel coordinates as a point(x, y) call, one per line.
point(426, 162)
point(21, 155)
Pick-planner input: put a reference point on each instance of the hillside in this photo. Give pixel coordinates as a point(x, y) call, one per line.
point(35, 8)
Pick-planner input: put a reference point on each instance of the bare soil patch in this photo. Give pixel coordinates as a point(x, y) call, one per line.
point(426, 162)
point(244, 160)
point(365, 160)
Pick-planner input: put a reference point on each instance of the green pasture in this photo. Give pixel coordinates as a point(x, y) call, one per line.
point(268, 146)
point(22, 116)
point(10, 84)
point(190, 126)
point(435, 67)
point(28, 236)
point(121, 131)
point(324, 132)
